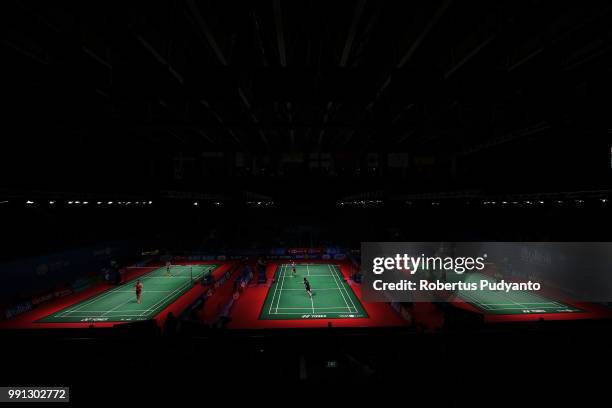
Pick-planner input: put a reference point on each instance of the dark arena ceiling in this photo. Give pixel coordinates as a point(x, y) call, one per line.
point(352, 96)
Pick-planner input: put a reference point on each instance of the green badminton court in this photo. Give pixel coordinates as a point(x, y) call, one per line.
point(332, 296)
point(515, 302)
point(119, 304)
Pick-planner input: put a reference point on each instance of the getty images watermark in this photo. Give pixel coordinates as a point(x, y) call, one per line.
point(445, 271)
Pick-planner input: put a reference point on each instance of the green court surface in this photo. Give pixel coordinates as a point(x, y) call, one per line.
point(515, 302)
point(332, 297)
point(119, 304)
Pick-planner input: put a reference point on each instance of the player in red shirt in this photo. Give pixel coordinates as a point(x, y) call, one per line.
point(139, 291)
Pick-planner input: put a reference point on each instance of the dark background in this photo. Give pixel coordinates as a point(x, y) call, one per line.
point(250, 125)
point(304, 106)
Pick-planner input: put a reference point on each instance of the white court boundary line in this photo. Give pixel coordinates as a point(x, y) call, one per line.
point(359, 314)
point(145, 291)
point(275, 289)
point(326, 307)
point(311, 299)
point(281, 288)
point(346, 287)
point(286, 289)
point(340, 289)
